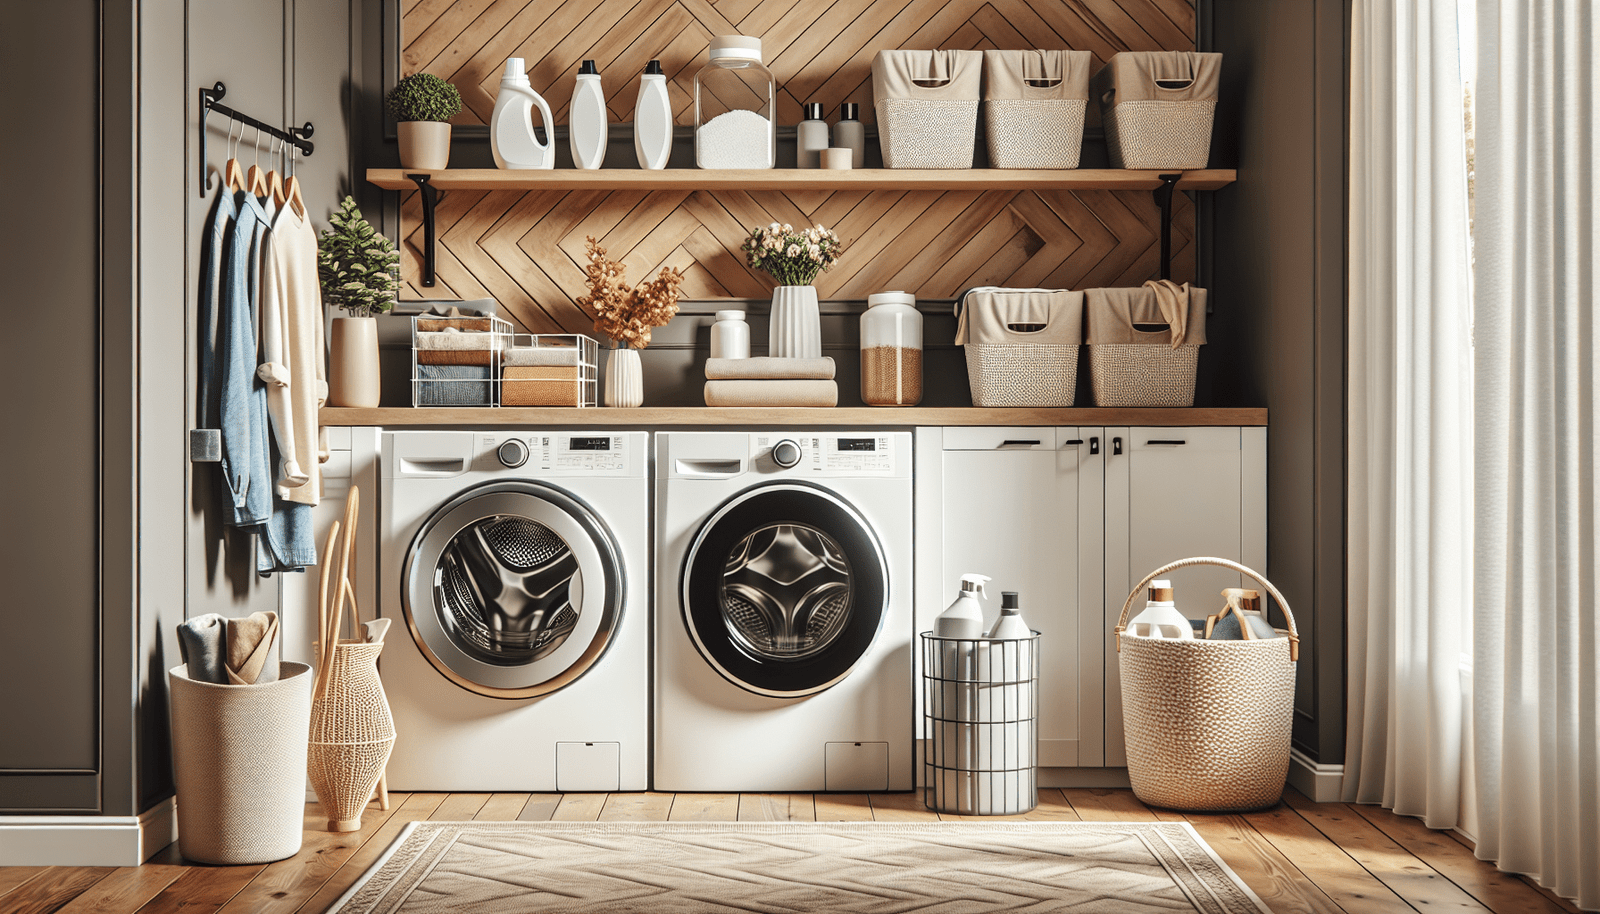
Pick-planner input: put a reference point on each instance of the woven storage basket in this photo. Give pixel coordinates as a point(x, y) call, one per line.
point(352, 733)
point(1157, 108)
point(927, 107)
point(1008, 366)
point(1207, 722)
point(239, 760)
point(1129, 366)
point(1033, 105)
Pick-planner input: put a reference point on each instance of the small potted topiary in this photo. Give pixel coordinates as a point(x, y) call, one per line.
point(359, 271)
point(424, 104)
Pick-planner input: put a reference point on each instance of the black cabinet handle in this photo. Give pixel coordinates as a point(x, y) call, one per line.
point(1094, 445)
point(1116, 446)
point(1076, 441)
point(1017, 442)
point(1168, 442)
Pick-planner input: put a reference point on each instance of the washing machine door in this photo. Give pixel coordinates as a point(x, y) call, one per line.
point(784, 589)
point(513, 589)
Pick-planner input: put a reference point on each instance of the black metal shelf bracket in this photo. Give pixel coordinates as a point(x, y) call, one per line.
point(430, 200)
point(298, 137)
point(1169, 183)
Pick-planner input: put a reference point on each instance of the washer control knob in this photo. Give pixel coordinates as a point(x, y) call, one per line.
point(786, 453)
point(514, 453)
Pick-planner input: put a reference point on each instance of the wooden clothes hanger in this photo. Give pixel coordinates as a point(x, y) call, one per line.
point(275, 181)
point(291, 188)
point(233, 172)
point(257, 179)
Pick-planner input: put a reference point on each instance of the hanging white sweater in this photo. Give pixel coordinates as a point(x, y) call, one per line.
point(292, 352)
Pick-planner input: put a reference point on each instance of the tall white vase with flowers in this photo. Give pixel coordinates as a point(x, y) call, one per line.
point(794, 257)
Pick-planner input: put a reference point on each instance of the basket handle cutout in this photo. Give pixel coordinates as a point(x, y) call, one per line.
point(1152, 328)
point(1026, 328)
point(1288, 614)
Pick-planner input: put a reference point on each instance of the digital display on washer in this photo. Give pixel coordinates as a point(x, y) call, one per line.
point(589, 444)
point(858, 444)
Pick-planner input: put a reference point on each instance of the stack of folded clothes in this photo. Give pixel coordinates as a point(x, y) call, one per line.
point(544, 375)
point(771, 382)
point(455, 358)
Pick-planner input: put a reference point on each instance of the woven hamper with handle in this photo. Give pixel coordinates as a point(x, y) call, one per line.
point(1207, 722)
point(1021, 345)
point(1157, 107)
point(1033, 106)
point(1132, 359)
point(927, 107)
point(239, 760)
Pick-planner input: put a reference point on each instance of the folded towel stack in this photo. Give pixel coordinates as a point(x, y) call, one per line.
point(543, 375)
point(771, 382)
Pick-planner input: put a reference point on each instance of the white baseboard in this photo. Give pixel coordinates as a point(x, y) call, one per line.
point(87, 840)
point(1322, 783)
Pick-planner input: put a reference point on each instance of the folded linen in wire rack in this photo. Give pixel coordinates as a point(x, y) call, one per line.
point(769, 368)
point(540, 355)
point(452, 338)
point(774, 392)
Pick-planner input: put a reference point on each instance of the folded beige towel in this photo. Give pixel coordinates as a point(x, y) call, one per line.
point(768, 368)
point(455, 339)
point(787, 392)
point(540, 355)
point(250, 655)
point(454, 356)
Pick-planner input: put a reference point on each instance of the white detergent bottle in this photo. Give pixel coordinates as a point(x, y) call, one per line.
point(587, 119)
point(652, 119)
point(1010, 626)
point(511, 134)
point(1161, 618)
point(964, 617)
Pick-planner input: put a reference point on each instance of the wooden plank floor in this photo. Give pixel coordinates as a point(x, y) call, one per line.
point(1301, 857)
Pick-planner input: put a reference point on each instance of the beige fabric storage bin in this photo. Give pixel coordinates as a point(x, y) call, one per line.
point(1131, 366)
point(1033, 106)
point(927, 106)
point(239, 760)
point(1021, 345)
point(1157, 107)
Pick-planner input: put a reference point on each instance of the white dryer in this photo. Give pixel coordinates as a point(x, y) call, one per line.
point(514, 565)
point(783, 611)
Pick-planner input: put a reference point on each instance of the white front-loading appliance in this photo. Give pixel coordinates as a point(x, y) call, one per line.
point(514, 565)
point(783, 611)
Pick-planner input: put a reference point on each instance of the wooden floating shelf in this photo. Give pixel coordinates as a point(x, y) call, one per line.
point(784, 179)
point(867, 417)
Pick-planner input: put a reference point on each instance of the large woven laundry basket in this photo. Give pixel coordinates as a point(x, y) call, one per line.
point(1157, 107)
point(239, 760)
point(1021, 345)
point(1130, 365)
point(927, 107)
point(1034, 104)
point(1207, 722)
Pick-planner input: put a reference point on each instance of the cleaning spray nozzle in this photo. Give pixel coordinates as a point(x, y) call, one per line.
point(975, 582)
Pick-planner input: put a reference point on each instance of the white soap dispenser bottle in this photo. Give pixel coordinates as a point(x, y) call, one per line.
point(652, 119)
point(1010, 626)
point(1161, 618)
point(511, 134)
point(587, 119)
point(964, 617)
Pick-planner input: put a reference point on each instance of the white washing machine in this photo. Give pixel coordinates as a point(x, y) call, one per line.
point(783, 611)
point(514, 565)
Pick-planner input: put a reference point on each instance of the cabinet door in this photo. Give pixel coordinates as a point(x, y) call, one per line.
point(1011, 510)
point(1171, 493)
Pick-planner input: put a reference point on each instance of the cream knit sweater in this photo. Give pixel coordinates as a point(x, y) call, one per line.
point(291, 353)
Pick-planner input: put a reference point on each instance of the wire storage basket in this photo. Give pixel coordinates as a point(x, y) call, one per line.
point(550, 369)
point(455, 361)
point(981, 700)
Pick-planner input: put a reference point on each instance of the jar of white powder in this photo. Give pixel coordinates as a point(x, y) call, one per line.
point(734, 107)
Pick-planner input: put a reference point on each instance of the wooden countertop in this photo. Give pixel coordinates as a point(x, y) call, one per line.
point(654, 417)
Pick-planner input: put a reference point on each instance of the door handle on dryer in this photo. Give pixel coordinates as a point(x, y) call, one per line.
point(708, 468)
point(436, 466)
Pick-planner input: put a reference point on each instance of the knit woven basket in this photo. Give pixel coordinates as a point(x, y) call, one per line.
point(927, 133)
point(1207, 722)
point(1034, 133)
point(239, 760)
point(1151, 133)
point(1003, 375)
point(1142, 374)
point(352, 733)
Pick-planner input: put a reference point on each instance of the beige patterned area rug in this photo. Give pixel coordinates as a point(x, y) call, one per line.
point(838, 867)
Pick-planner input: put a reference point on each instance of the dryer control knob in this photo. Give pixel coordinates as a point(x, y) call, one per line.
point(513, 453)
point(786, 453)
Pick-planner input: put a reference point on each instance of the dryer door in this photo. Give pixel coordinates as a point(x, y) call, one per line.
point(513, 589)
point(784, 590)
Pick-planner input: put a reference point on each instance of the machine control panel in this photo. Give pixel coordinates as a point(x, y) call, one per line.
point(864, 454)
point(570, 451)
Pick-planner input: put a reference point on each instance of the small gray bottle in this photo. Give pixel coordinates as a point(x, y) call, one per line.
point(810, 138)
point(849, 134)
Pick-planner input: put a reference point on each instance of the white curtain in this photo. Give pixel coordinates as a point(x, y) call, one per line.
point(1410, 438)
point(1536, 664)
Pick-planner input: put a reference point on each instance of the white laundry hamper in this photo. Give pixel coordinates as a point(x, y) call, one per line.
point(1207, 723)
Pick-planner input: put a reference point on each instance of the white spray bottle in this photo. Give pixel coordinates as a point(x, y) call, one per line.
point(511, 135)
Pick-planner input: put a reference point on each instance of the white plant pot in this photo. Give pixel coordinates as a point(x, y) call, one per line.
point(795, 328)
point(424, 145)
point(353, 376)
point(625, 379)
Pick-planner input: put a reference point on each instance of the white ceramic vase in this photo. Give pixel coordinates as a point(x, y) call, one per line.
point(424, 145)
point(795, 328)
point(624, 379)
point(353, 376)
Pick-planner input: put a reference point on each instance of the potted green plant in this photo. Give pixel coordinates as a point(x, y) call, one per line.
point(424, 104)
point(359, 270)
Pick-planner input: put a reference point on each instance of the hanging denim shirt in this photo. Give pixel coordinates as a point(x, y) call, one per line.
point(247, 470)
point(212, 246)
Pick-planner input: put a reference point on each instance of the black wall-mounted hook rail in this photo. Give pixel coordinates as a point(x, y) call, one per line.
point(294, 136)
point(430, 199)
point(1169, 183)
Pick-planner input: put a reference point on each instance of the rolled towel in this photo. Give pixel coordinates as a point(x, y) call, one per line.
point(250, 644)
point(201, 644)
point(792, 392)
point(767, 368)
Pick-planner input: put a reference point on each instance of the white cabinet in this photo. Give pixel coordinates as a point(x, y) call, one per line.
point(1071, 519)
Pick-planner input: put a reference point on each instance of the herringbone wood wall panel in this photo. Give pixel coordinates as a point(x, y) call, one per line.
point(526, 249)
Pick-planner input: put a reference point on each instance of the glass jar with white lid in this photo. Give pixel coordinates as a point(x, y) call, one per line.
point(891, 350)
point(735, 107)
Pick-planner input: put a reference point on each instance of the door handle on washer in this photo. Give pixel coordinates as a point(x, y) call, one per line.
point(708, 468)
